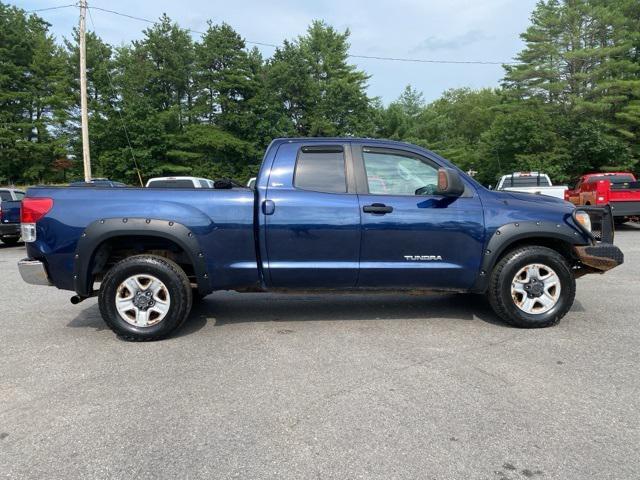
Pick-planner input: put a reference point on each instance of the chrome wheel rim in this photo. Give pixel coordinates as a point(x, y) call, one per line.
point(535, 289)
point(142, 300)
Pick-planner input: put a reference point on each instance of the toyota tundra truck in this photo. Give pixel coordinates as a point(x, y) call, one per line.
point(325, 215)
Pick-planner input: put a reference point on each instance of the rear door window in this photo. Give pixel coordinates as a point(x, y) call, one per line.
point(321, 169)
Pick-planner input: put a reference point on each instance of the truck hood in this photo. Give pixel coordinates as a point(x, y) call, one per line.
point(536, 198)
point(533, 200)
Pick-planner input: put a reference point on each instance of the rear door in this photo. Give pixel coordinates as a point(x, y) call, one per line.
point(312, 218)
point(414, 240)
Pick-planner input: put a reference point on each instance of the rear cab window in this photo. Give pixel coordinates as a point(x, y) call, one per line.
point(5, 195)
point(178, 183)
point(612, 178)
point(527, 181)
point(321, 169)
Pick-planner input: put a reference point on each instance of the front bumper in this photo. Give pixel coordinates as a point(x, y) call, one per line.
point(33, 272)
point(602, 254)
point(600, 257)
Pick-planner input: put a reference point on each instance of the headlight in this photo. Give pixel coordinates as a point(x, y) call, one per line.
point(583, 219)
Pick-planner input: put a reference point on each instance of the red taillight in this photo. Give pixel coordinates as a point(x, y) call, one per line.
point(33, 209)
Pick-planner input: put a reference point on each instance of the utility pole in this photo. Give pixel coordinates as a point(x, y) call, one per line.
point(83, 92)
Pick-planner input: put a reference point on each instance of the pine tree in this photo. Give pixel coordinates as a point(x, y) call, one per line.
point(321, 93)
point(31, 96)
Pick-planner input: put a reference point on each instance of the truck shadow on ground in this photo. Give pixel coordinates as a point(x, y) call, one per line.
point(628, 227)
point(226, 308)
point(17, 246)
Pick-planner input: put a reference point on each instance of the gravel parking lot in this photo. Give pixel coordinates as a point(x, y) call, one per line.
point(351, 386)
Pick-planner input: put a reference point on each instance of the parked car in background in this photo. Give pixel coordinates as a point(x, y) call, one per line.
point(252, 182)
point(179, 182)
point(97, 182)
point(327, 214)
point(619, 190)
point(10, 215)
point(531, 182)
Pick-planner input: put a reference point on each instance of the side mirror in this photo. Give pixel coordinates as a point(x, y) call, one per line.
point(449, 183)
point(490, 187)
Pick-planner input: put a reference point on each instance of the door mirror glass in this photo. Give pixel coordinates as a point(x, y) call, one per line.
point(449, 183)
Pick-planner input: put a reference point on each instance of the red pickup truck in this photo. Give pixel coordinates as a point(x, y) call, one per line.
point(620, 190)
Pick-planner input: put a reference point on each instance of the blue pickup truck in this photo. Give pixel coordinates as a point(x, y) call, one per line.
point(326, 214)
point(10, 215)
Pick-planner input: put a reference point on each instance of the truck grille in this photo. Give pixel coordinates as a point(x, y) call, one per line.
point(601, 222)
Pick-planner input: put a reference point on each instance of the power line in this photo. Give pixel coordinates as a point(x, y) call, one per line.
point(124, 125)
point(421, 60)
point(128, 16)
point(51, 8)
point(368, 57)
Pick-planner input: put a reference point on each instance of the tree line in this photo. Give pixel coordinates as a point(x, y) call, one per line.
point(169, 104)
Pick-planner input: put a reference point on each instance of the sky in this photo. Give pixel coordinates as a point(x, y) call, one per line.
point(459, 30)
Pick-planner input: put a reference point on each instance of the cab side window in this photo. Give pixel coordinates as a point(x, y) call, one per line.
point(396, 174)
point(321, 169)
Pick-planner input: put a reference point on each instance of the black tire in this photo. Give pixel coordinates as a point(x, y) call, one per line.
point(166, 271)
point(503, 274)
point(197, 296)
point(11, 241)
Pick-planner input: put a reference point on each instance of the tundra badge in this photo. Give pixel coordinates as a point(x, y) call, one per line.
point(419, 258)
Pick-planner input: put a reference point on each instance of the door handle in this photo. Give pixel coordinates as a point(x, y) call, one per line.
point(268, 207)
point(378, 208)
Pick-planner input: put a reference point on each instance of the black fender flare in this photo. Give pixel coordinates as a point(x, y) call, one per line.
point(101, 230)
point(510, 233)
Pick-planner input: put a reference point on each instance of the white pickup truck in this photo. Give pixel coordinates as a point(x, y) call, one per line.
point(531, 182)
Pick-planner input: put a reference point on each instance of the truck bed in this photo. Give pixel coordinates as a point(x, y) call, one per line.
point(556, 191)
point(221, 221)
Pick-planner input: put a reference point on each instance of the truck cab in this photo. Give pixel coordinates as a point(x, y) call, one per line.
point(326, 214)
point(531, 182)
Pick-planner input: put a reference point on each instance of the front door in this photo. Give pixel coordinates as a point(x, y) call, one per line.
point(412, 238)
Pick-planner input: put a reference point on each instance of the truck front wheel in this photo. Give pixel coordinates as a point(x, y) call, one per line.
point(145, 297)
point(532, 287)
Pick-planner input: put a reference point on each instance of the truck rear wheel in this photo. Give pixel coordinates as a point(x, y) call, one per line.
point(145, 297)
point(532, 287)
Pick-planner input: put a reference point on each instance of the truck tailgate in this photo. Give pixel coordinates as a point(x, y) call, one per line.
point(10, 211)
